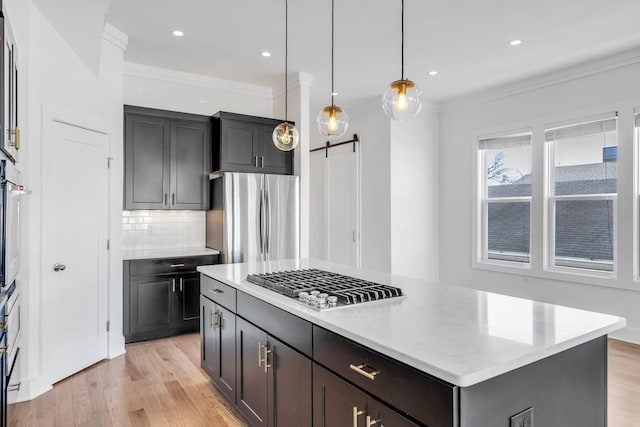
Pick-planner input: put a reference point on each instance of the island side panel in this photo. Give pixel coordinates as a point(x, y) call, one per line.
point(567, 389)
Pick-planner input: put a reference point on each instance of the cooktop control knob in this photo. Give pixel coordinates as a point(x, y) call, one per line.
point(332, 301)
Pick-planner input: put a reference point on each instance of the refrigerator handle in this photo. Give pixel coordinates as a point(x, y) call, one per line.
point(261, 222)
point(267, 223)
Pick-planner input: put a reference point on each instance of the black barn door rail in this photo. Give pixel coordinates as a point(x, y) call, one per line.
point(329, 145)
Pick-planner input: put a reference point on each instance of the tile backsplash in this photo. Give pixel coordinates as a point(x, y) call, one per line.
point(163, 229)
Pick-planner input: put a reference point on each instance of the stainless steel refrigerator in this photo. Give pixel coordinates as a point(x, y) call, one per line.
point(254, 217)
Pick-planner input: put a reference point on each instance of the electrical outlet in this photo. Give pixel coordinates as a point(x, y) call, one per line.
point(523, 419)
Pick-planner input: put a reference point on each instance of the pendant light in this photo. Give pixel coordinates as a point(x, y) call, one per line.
point(402, 100)
point(332, 121)
point(285, 136)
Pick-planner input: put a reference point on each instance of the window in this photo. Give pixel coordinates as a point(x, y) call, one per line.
point(505, 168)
point(582, 193)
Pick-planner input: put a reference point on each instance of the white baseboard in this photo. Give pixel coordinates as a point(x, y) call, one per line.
point(627, 334)
point(32, 388)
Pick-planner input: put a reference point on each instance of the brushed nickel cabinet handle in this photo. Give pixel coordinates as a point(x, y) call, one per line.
point(256, 161)
point(173, 285)
point(211, 321)
point(181, 284)
point(13, 387)
point(356, 414)
point(359, 369)
point(371, 422)
point(216, 291)
point(166, 199)
point(176, 265)
point(173, 199)
point(262, 164)
point(266, 358)
point(4, 349)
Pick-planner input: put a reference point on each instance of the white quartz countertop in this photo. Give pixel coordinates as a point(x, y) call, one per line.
point(167, 253)
point(458, 334)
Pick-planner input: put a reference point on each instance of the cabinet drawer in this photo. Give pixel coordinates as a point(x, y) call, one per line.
point(218, 292)
point(422, 397)
point(169, 265)
point(291, 329)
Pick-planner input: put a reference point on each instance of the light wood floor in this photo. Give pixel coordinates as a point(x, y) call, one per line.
point(160, 383)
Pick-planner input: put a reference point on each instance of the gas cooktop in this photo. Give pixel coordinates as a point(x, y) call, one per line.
point(323, 289)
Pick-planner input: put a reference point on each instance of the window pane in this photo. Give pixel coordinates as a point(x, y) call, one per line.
point(508, 172)
point(586, 164)
point(508, 231)
point(584, 234)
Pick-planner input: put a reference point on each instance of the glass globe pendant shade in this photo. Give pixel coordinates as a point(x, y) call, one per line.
point(332, 122)
point(285, 136)
point(402, 100)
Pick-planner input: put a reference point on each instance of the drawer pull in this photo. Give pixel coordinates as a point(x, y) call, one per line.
point(13, 387)
point(176, 265)
point(4, 349)
point(216, 291)
point(359, 369)
point(356, 414)
point(371, 422)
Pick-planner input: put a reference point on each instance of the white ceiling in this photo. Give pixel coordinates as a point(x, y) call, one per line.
point(466, 41)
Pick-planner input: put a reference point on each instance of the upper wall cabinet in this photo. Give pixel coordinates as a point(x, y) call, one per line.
point(167, 159)
point(243, 144)
point(9, 129)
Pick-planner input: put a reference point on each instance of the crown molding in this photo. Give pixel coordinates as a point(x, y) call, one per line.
point(164, 74)
point(303, 80)
point(115, 36)
point(585, 69)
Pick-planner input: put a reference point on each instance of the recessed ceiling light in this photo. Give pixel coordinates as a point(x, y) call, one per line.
point(515, 42)
point(334, 93)
point(266, 54)
point(177, 33)
point(433, 72)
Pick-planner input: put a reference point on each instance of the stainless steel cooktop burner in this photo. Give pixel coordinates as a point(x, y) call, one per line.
point(323, 289)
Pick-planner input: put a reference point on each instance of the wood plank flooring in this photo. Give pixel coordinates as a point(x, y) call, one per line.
point(160, 383)
point(156, 383)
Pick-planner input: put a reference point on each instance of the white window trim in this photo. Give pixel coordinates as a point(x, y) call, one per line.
point(539, 206)
point(550, 208)
point(480, 232)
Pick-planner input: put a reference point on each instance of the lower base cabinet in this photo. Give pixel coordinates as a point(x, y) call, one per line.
point(338, 403)
point(274, 380)
point(218, 340)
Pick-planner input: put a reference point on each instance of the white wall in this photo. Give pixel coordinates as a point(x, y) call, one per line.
point(154, 87)
point(54, 76)
point(414, 196)
point(597, 89)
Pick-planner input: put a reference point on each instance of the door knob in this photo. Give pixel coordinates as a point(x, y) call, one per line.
point(59, 267)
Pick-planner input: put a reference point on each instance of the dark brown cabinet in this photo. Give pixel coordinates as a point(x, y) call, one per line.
point(167, 159)
point(161, 297)
point(338, 403)
point(273, 380)
point(218, 340)
point(243, 144)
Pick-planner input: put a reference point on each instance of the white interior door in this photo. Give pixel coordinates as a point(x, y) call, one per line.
point(342, 205)
point(74, 249)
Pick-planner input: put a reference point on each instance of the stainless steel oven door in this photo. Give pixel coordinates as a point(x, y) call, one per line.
point(13, 193)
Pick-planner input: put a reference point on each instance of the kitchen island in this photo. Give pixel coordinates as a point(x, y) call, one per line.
point(440, 356)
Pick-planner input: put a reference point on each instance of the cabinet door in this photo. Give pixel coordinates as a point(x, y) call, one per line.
point(151, 300)
point(147, 162)
point(336, 402)
point(383, 416)
point(189, 287)
point(208, 344)
point(190, 163)
point(273, 160)
point(239, 146)
point(251, 391)
point(225, 372)
point(289, 387)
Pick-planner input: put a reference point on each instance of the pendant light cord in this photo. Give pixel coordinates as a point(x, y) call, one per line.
point(286, 60)
point(332, 31)
point(402, 31)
